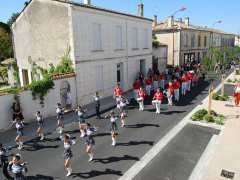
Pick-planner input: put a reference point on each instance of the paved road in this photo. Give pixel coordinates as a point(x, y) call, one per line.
point(177, 160)
point(143, 131)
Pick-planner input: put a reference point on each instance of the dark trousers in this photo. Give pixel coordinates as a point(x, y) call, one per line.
point(98, 111)
point(5, 171)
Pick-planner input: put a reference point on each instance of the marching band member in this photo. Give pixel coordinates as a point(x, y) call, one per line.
point(157, 100)
point(176, 86)
point(170, 93)
point(195, 80)
point(162, 81)
point(17, 167)
point(113, 127)
point(184, 84)
point(19, 139)
point(89, 141)
point(140, 99)
point(60, 124)
point(189, 77)
point(136, 86)
point(40, 122)
point(237, 94)
point(67, 143)
point(118, 91)
point(148, 82)
point(155, 82)
point(4, 161)
point(81, 119)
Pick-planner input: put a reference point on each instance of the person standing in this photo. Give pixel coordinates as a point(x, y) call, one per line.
point(184, 84)
point(170, 93)
point(141, 97)
point(4, 161)
point(155, 82)
point(89, 141)
point(97, 105)
point(113, 127)
point(40, 123)
point(60, 124)
point(162, 81)
point(19, 139)
point(157, 100)
point(17, 167)
point(81, 119)
point(148, 82)
point(136, 86)
point(237, 94)
point(67, 143)
point(118, 92)
point(176, 86)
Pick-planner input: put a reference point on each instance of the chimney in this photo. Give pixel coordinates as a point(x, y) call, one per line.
point(140, 9)
point(155, 21)
point(87, 2)
point(170, 21)
point(187, 21)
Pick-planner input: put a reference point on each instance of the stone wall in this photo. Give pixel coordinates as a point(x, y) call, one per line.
point(30, 106)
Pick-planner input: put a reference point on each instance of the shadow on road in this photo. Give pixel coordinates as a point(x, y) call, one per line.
point(141, 125)
point(93, 173)
point(135, 143)
point(39, 177)
point(116, 159)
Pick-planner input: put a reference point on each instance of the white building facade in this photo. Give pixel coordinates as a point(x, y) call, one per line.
point(106, 46)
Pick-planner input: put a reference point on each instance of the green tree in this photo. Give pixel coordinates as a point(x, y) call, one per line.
point(12, 19)
point(3, 73)
point(6, 50)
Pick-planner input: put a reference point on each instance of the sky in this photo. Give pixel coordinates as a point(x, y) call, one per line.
point(201, 12)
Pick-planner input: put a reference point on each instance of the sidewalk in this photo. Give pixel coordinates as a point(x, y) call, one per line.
point(226, 151)
point(7, 137)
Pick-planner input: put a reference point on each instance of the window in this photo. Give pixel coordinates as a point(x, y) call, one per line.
point(97, 37)
point(119, 42)
point(205, 41)
point(193, 40)
point(199, 41)
point(134, 38)
point(145, 38)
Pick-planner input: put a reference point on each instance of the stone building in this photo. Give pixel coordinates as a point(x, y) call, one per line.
point(187, 42)
point(106, 46)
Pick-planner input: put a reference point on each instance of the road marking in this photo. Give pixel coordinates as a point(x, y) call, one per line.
point(138, 166)
point(198, 170)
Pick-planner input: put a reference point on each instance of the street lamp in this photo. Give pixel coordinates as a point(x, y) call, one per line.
point(183, 8)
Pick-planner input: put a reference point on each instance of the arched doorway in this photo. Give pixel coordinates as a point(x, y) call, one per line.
point(65, 95)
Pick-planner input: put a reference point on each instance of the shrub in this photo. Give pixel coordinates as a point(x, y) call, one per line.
point(209, 118)
point(40, 88)
point(198, 116)
point(220, 119)
point(219, 97)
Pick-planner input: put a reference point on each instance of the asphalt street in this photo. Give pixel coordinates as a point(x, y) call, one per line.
point(143, 130)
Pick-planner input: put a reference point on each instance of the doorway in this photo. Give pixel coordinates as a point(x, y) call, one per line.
point(143, 66)
point(120, 77)
point(65, 95)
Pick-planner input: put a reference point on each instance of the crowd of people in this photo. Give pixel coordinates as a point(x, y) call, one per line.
point(172, 84)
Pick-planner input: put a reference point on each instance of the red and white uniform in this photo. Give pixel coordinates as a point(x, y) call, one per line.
point(158, 96)
point(157, 100)
point(176, 87)
point(141, 96)
point(118, 91)
point(136, 86)
point(148, 83)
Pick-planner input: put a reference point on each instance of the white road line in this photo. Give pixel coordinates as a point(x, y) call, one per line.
point(138, 166)
point(197, 172)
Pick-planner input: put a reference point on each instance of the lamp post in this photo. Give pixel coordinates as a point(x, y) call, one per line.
point(179, 10)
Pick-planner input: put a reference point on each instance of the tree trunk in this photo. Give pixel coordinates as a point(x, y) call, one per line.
point(222, 84)
point(210, 92)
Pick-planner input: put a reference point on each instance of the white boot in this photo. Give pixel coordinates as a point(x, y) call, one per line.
point(42, 137)
point(90, 157)
point(69, 170)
